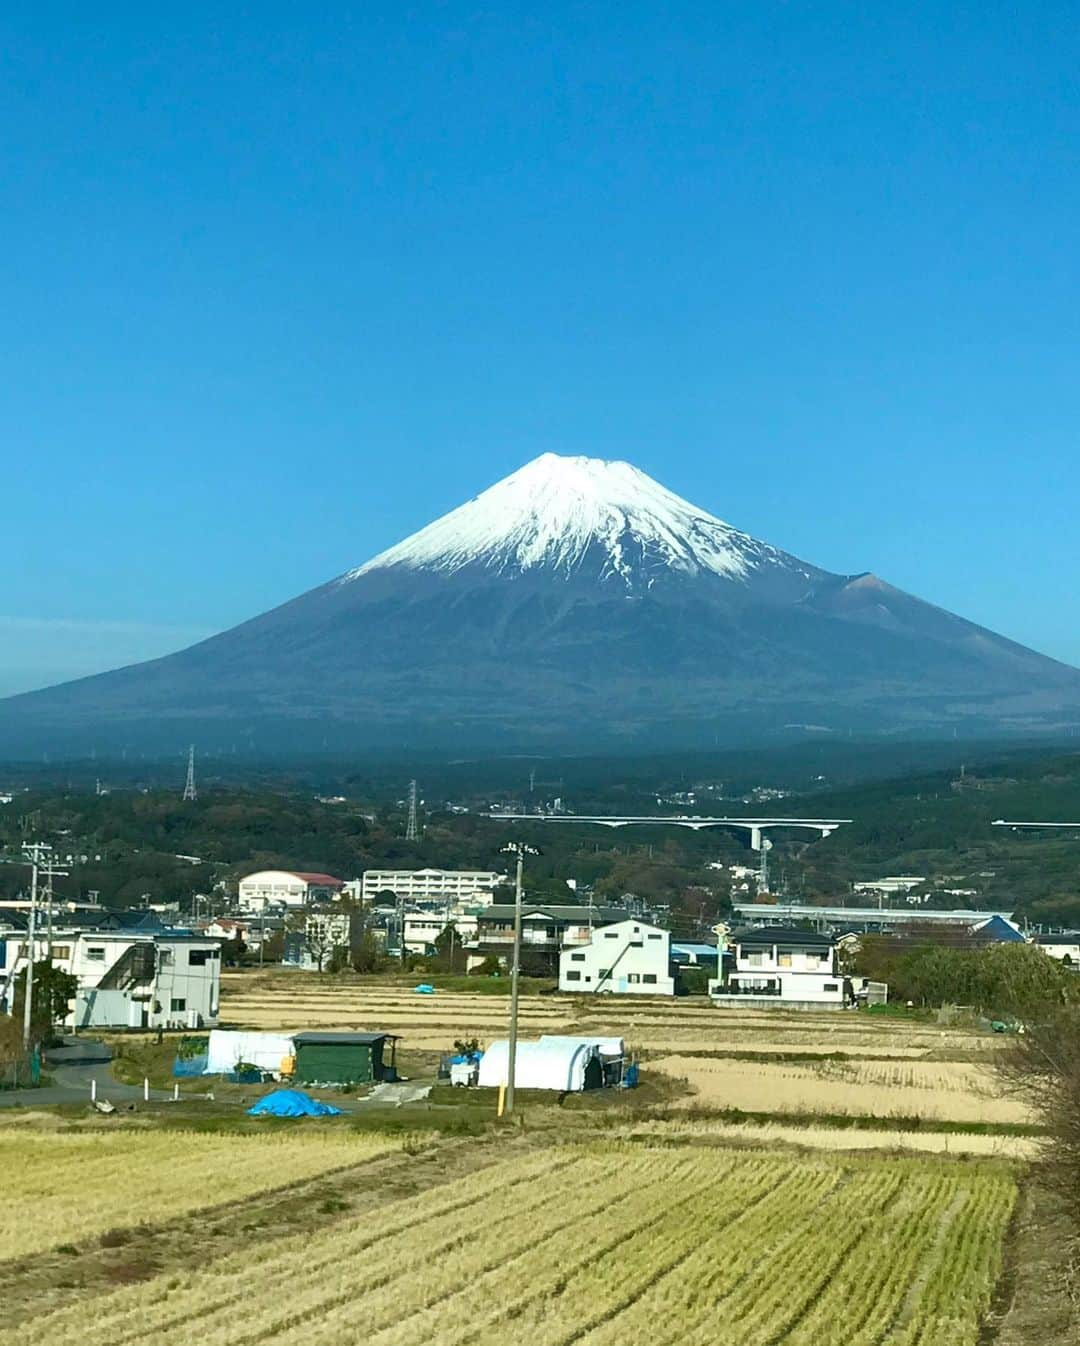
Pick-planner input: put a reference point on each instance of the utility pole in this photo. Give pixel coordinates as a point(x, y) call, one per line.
point(51, 872)
point(520, 849)
point(190, 792)
point(35, 852)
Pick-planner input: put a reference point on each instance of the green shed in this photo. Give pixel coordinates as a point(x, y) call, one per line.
point(344, 1058)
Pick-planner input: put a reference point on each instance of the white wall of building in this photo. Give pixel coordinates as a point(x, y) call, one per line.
point(281, 888)
point(423, 928)
point(433, 885)
point(628, 958)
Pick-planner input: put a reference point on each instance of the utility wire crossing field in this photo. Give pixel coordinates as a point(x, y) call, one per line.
point(604, 1245)
point(64, 1187)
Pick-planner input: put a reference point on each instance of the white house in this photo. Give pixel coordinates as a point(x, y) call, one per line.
point(126, 978)
point(423, 928)
point(286, 888)
point(325, 932)
point(778, 967)
point(630, 957)
point(433, 885)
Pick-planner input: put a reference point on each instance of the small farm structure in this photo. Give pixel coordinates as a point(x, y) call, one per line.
point(344, 1058)
point(561, 1064)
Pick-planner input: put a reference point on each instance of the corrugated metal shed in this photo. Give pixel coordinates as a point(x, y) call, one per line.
point(343, 1058)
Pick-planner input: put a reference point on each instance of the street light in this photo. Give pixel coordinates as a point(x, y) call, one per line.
point(520, 849)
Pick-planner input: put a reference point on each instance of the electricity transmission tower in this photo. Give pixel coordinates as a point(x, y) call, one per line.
point(412, 831)
point(190, 791)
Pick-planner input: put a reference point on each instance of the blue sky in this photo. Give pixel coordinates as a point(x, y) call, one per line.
point(281, 286)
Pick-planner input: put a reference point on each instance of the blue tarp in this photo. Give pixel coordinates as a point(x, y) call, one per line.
point(191, 1065)
point(424, 989)
point(292, 1103)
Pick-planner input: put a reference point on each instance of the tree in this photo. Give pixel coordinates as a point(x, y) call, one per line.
point(368, 955)
point(449, 954)
point(53, 991)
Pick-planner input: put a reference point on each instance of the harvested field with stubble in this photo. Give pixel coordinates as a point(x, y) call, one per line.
point(954, 1091)
point(63, 1186)
point(604, 1244)
point(430, 1023)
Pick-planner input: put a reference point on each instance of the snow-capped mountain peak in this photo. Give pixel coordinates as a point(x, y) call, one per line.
point(557, 511)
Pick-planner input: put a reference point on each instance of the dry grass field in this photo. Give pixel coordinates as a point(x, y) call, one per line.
point(63, 1186)
point(952, 1091)
point(602, 1245)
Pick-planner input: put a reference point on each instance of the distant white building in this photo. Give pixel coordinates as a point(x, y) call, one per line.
point(327, 932)
point(423, 928)
point(1064, 947)
point(451, 886)
point(286, 888)
point(630, 957)
point(780, 967)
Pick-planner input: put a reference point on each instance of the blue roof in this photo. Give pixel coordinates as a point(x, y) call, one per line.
point(698, 950)
point(999, 929)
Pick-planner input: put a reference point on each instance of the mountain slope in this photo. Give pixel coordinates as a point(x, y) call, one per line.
point(575, 603)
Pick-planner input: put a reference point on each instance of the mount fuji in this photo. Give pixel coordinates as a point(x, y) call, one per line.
point(575, 605)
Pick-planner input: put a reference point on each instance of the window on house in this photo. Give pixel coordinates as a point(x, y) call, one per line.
point(611, 934)
point(656, 937)
point(633, 978)
point(635, 944)
point(603, 972)
point(832, 986)
point(573, 975)
point(578, 957)
point(61, 951)
point(783, 958)
point(755, 960)
point(176, 1006)
point(198, 957)
point(95, 954)
point(165, 957)
point(649, 977)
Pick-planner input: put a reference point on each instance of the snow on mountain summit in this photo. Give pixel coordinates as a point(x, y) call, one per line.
point(556, 511)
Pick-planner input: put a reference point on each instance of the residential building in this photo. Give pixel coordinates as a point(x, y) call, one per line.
point(127, 978)
point(780, 966)
point(423, 928)
point(327, 933)
point(545, 930)
point(630, 957)
point(433, 885)
point(286, 888)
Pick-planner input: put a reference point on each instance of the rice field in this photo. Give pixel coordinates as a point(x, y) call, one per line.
point(956, 1091)
point(430, 1023)
point(603, 1245)
point(985, 1145)
point(63, 1187)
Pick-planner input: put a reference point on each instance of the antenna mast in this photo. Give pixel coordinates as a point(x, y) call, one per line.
point(190, 791)
point(412, 831)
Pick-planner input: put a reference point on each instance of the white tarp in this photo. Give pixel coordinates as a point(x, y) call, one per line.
point(227, 1050)
point(558, 1064)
